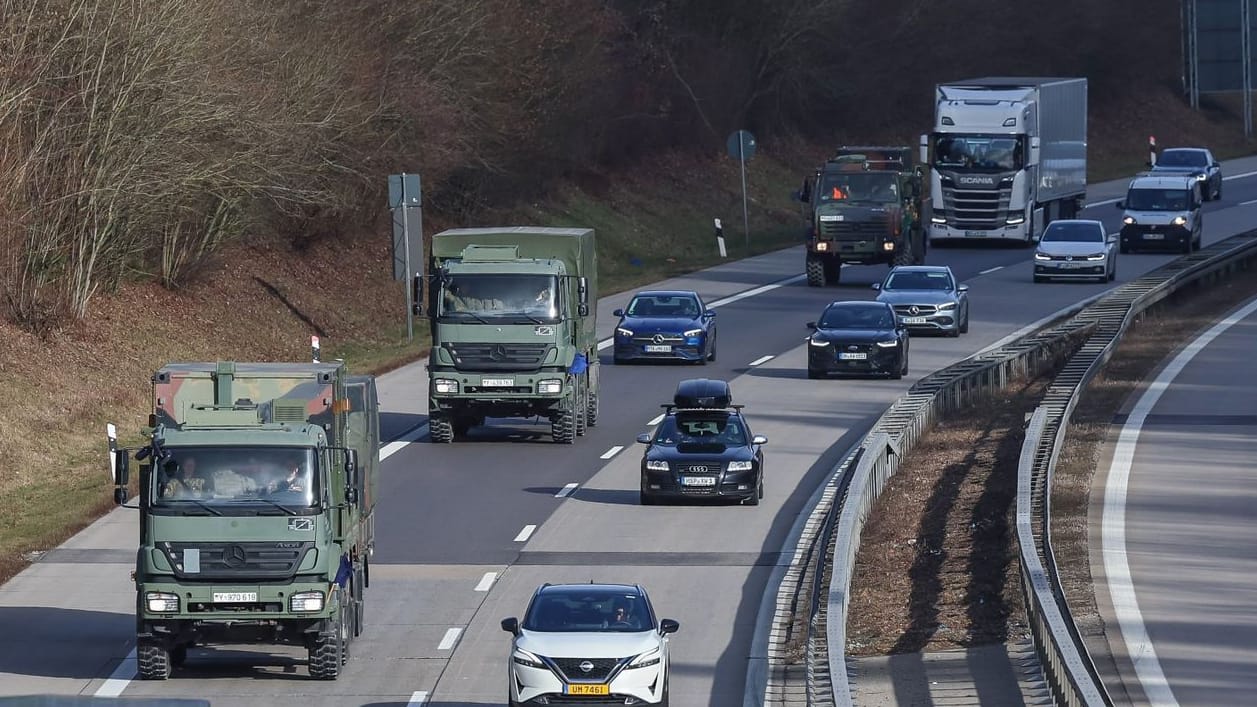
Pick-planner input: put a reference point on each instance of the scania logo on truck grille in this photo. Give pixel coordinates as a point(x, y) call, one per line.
point(983, 181)
point(234, 556)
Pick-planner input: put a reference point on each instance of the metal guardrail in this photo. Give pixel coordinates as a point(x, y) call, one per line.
point(820, 590)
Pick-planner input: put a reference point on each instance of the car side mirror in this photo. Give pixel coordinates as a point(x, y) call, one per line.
point(618, 313)
point(643, 438)
point(710, 314)
point(669, 626)
point(811, 325)
point(1120, 204)
point(1216, 165)
point(962, 288)
point(511, 626)
point(759, 439)
point(877, 285)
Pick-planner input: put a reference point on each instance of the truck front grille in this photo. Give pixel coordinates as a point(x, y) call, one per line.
point(976, 209)
point(853, 230)
point(234, 560)
point(497, 357)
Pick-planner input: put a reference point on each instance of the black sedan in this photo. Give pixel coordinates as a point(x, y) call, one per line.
point(1197, 162)
point(666, 324)
point(857, 337)
point(702, 453)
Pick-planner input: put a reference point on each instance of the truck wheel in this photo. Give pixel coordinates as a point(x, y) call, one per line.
point(360, 603)
point(591, 412)
point(563, 427)
point(440, 429)
point(903, 256)
point(152, 661)
point(462, 425)
point(328, 653)
point(178, 656)
point(815, 271)
point(833, 270)
point(581, 420)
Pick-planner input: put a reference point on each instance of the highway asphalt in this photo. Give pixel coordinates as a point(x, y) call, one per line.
point(467, 531)
point(1179, 524)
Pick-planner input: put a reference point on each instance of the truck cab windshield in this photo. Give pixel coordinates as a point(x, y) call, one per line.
point(876, 187)
point(980, 153)
point(230, 476)
point(480, 297)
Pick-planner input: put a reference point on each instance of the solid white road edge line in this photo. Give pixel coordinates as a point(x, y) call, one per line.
point(565, 490)
point(450, 638)
point(1113, 544)
point(417, 698)
point(761, 359)
point(119, 679)
point(525, 533)
point(400, 443)
point(1250, 202)
point(486, 581)
point(612, 452)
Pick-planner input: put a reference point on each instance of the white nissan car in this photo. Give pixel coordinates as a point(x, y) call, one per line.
point(595, 644)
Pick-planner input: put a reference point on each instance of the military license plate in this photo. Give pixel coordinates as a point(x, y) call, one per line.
point(587, 689)
point(497, 382)
point(698, 481)
point(914, 320)
point(658, 348)
point(234, 597)
point(852, 356)
point(1154, 236)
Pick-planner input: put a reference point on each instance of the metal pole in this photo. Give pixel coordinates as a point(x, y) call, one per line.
point(1193, 58)
point(1246, 47)
point(410, 310)
point(746, 222)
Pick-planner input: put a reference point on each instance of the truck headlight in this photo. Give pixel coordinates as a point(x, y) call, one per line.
point(645, 660)
point(888, 344)
point(1129, 220)
point(527, 659)
point(162, 602)
point(1014, 220)
point(445, 385)
point(1179, 221)
point(656, 466)
point(740, 466)
point(550, 386)
point(303, 602)
point(692, 332)
point(821, 247)
point(938, 219)
point(621, 331)
point(888, 245)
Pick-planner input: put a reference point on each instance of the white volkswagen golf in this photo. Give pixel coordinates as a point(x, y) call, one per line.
point(589, 644)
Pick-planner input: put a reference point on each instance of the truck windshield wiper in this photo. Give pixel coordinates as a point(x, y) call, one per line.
point(206, 507)
point(460, 315)
point(280, 506)
point(531, 318)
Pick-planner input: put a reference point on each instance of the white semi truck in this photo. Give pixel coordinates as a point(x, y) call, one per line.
point(1008, 155)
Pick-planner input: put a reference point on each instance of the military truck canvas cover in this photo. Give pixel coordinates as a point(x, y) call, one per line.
point(573, 246)
point(895, 159)
point(178, 387)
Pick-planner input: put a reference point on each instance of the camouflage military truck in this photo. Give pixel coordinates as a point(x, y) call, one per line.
point(256, 498)
point(863, 206)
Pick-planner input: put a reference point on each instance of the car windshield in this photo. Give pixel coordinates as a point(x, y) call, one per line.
point(918, 280)
point(698, 428)
point(1182, 158)
point(593, 609)
point(664, 306)
point(513, 297)
point(216, 476)
point(857, 317)
point(1157, 199)
point(1072, 233)
point(879, 187)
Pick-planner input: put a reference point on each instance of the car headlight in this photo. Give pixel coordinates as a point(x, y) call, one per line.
point(1201, 177)
point(526, 659)
point(692, 332)
point(305, 601)
point(621, 331)
point(741, 466)
point(550, 386)
point(645, 660)
point(818, 342)
point(656, 466)
point(161, 602)
point(888, 344)
point(946, 306)
point(1042, 256)
point(1179, 221)
point(445, 385)
point(1129, 220)
point(1097, 256)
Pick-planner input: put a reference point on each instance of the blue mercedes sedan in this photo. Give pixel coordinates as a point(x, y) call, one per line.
point(665, 324)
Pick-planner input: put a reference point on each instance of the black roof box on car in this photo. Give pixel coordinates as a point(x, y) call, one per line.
point(702, 393)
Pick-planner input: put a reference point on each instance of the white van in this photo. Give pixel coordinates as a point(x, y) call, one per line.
point(1161, 212)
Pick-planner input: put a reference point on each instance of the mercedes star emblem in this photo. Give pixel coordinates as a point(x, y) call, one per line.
point(914, 309)
point(234, 556)
point(658, 339)
point(498, 353)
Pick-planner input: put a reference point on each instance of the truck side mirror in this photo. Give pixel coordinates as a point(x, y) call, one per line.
point(122, 467)
point(582, 296)
point(351, 476)
point(351, 462)
point(923, 148)
point(416, 295)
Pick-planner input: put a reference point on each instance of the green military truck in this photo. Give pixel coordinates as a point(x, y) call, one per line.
point(863, 206)
point(512, 314)
point(256, 497)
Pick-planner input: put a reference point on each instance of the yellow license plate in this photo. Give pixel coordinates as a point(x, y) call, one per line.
point(588, 689)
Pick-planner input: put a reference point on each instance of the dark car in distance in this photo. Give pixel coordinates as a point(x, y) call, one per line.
point(1195, 162)
point(665, 324)
point(857, 337)
point(703, 448)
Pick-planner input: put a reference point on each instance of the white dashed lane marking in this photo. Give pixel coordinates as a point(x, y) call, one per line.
point(565, 491)
point(450, 639)
point(486, 581)
point(761, 359)
point(612, 452)
point(525, 533)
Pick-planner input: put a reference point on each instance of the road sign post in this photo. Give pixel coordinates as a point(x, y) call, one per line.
point(404, 194)
point(741, 146)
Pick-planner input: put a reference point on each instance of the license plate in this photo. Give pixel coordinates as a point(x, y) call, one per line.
point(698, 481)
point(658, 348)
point(1068, 266)
point(914, 320)
point(587, 689)
point(1154, 236)
point(849, 356)
point(234, 597)
point(497, 382)
point(975, 234)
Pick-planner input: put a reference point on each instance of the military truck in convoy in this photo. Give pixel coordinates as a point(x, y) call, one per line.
point(863, 206)
point(1008, 156)
point(512, 314)
point(256, 497)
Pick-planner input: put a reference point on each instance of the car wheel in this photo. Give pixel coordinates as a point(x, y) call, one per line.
point(814, 374)
point(752, 500)
point(1217, 195)
point(711, 356)
point(619, 361)
point(1113, 272)
point(1123, 248)
point(1040, 278)
point(964, 323)
point(647, 500)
